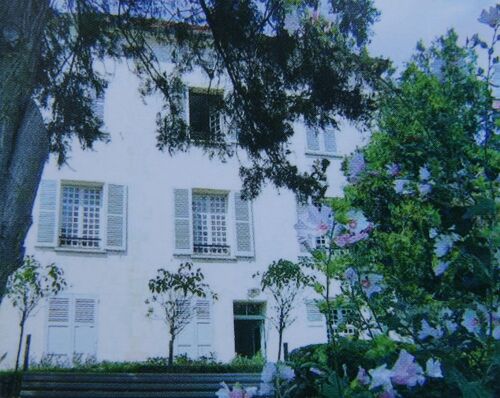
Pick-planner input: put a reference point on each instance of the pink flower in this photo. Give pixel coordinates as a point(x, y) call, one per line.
point(314, 223)
point(371, 284)
point(406, 371)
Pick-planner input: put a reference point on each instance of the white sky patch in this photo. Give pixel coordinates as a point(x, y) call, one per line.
point(403, 22)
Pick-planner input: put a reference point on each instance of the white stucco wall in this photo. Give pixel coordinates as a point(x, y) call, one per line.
point(119, 280)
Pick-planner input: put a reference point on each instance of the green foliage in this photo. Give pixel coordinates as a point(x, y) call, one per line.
point(181, 364)
point(428, 181)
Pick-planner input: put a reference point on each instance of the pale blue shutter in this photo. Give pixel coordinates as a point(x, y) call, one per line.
point(182, 227)
point(312, 140)
point(244, 227)
point(116, 237)
point(47, 215)
point(330, 144)
point(203, 327)
point(85, 330)
point(59, 328)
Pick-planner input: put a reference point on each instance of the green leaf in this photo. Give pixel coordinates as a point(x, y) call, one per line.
point(483, 207)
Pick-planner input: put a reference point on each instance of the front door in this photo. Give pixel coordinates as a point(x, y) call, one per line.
point(249, 320)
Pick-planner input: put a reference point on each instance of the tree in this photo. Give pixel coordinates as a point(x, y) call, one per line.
point(285, 62)
point(172, 299)
point(427, 272)
point(285, 281)
point(29, 285)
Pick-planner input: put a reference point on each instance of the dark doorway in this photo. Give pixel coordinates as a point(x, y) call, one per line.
point(248, 328)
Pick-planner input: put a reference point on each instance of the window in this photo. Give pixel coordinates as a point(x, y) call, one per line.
point(210, 224)
point(81, 216)
point(204, 114)
point(321, 142)
point(341, 318)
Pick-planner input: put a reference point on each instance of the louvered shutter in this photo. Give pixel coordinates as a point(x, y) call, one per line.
point(47, 216)
point(203, 327)
point(85, 332)
point(312, 140)
point(186, 340)
point(59, 327)
point(330, 143)
point(314, 316)
point(244, 227)
point(116, 238)
point(182, 216)
point(301, 213)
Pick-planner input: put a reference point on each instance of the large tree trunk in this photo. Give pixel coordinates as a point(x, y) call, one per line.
point(24, 142)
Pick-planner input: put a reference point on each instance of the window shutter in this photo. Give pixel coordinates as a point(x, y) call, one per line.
point(314, 315)
point(59, 330)
point(85, 333)
point(312, 140)
point(47, 216)
point(203, 327)
point(116, 238)
point(244, 232)
point(301, 212)
point(182, 215)
point(330, 143)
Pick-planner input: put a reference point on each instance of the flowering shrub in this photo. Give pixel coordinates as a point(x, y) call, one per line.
point(415, 240)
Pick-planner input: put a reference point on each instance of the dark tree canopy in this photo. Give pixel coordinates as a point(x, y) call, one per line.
point(286, 60)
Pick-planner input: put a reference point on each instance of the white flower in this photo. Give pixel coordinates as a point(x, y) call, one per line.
point(406, 371)
point(250, 392)
point(371, 284)
point(441, 267)
point(444, 243)
point(266, 389)
point(424, 174)
point(447, 315)
point(433, 368)
point(362, 376)
point(224, 391)
point(424, 189)
point(351, 275)
point(381, 376)
point(286, 373)
point(470, 321)
point(401, 186)
point(428, 331)
point(268, 372)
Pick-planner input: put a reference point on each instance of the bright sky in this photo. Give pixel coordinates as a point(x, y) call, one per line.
point(404, 22)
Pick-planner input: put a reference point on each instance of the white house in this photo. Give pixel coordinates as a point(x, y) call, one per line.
point(113, 216)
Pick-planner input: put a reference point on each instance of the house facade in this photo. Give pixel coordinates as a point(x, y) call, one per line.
point(114, 215)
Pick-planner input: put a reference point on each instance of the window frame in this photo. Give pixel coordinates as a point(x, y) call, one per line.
point(208, 92)
point(230, 244)
point(320, 133)
point(102, 216)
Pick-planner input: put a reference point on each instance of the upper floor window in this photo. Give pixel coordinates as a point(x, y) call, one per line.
point(210, 224)
point(204, 114)
point(321, 142)
point(81, 216)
